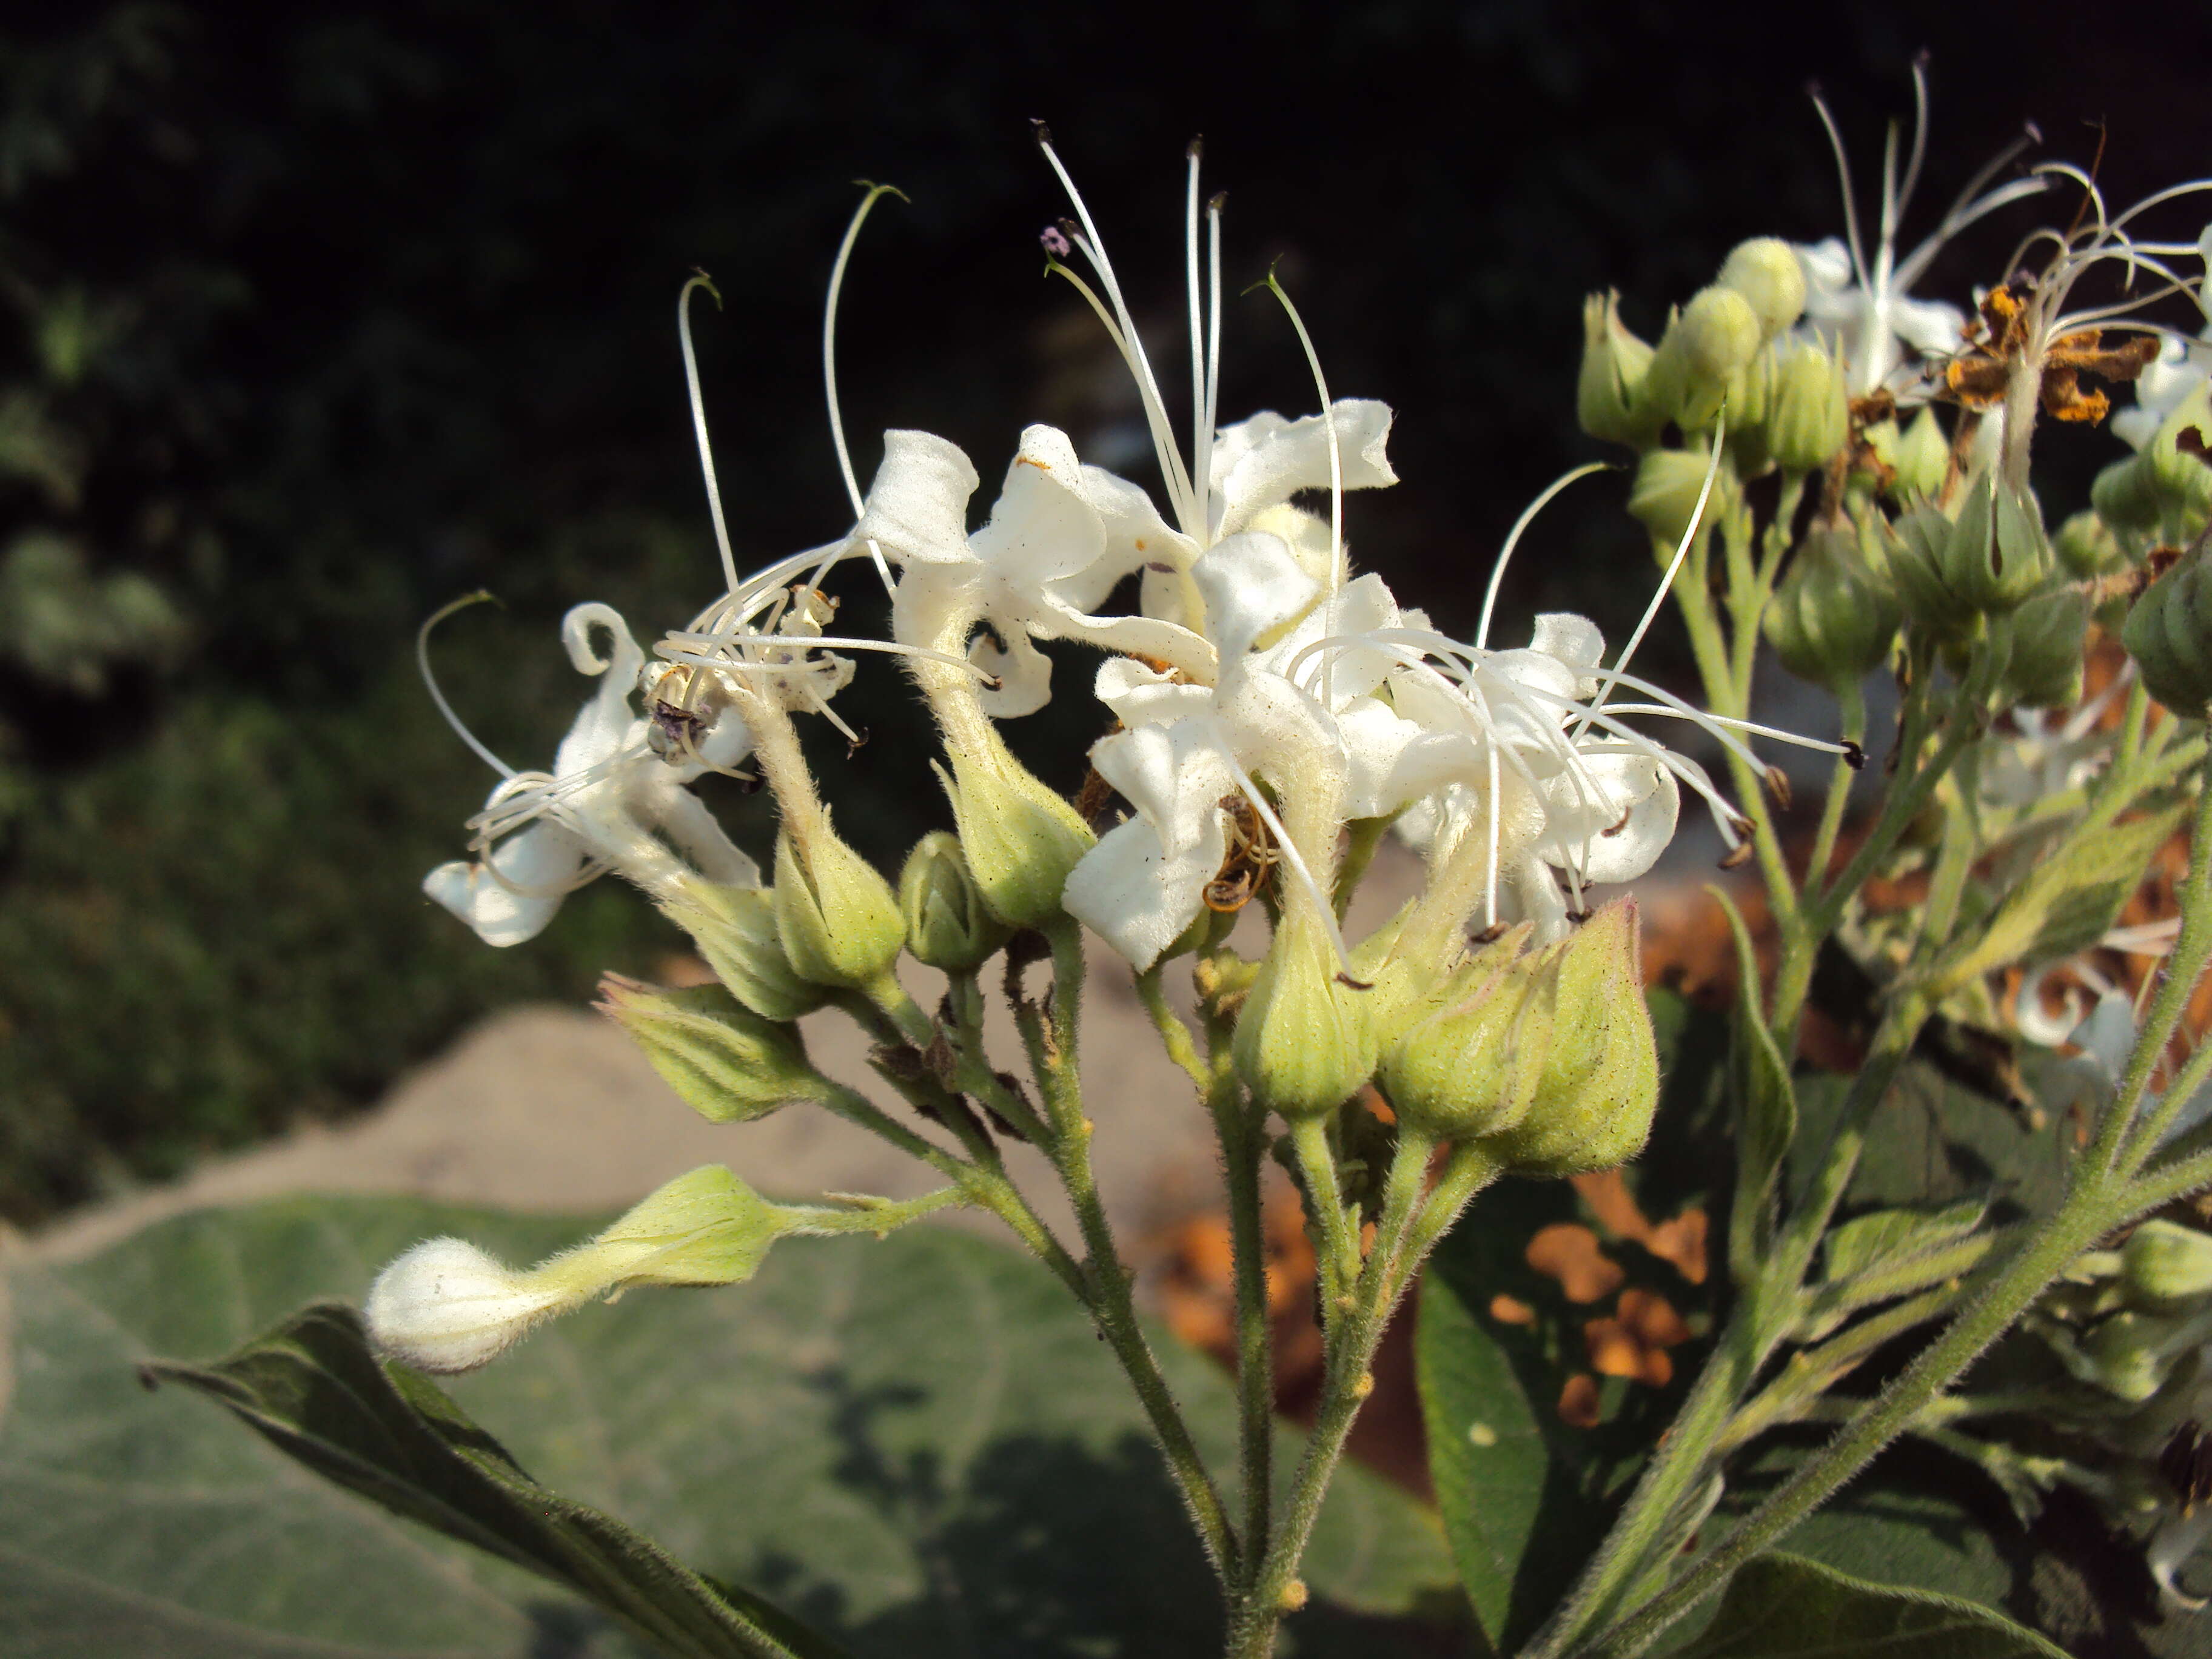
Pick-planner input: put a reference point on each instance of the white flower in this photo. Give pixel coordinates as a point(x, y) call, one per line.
point(607, 805)
point(2182, 366)
point(446, 1306)
point(1861, 306)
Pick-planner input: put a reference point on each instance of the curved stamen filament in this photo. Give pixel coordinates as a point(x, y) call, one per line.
point(1513, 539)
point(699, 421)
point(430, 680)
point(830, 360)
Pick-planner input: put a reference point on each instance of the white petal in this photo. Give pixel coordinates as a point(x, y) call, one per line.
point(1828, 267)
point(1024, 675)
point(1251, 585)
point(1574, 641)
point(1929, 326)
point(917, 507)
point(1042, 527)
point(1137, 636)
point(2109, 1034)
point(542, 861)
point(1175, 778)
point(1137, 896)
point(699, 835)
point(1376, 743)
point(1267, 460)
point(1616, 825)
point(1136, 539)
point(1140, 695)
point(606, 725)
point(2137, 425)
point(444, 1306)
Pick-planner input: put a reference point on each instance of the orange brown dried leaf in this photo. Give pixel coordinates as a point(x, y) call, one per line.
point(1651, 1319)
point(1511, 1310)
point(1568, 1252)
point(1578, 1403)
point(1611, 1348)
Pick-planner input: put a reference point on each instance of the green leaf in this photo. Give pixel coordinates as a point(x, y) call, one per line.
point(2066, 903)
point(917, 1446)
point(1885, 1238)
point(1783, 1606)
point(315, 1391)
point(1766, 1107)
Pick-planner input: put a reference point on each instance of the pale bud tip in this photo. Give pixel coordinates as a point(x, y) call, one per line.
point(446, 1306)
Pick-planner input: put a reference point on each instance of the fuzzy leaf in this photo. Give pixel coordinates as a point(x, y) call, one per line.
point(1783, 1606)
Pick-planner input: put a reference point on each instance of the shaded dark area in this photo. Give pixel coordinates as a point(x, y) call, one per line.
point(316, 319)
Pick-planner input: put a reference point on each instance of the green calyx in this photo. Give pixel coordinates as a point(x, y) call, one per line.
point(2046, 637)
point(727, 1063)
point(735, 930)
point(1615, 363)
point(1807, 417)
point(1597, 1083)
point(948, 925)
point(1302, 1044)
point(2169, 633)
point(1470, 1067)
point(837, 917)
point(1664, 496)
point(1832, 621)
point(1020, 837)
point(1710, 340)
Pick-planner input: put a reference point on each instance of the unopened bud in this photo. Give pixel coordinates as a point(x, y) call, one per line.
point(1471, 1067)
point(836, 916)
point(1809, 419)
point(2087, 549)
point(1020, 837)
point(1302, 1045)
point(1665, 494)
point(1922, 459)
point(1599, 1087)
point(1919, 568)
point(1831, 621)
point(1709, 342)
point(2126, 495)
point(2169, 633)
point(447, 1306)
point(1766, 271)
point(2166, 491)
point(734, 928)
point(2164, 1263)
point(1750, 400)
point(948, 925)
point(1614, 362)
point(2048, 635)
point(727, 1063)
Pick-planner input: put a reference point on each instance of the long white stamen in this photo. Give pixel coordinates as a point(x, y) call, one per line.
point(1094, 249)
point(699, 421)
point(1915, 265)
point(1207, 420)
point(430, 680)
point(830, 360)
point(1339, 569)
point(1850, 206)
point(1919, 136)
point(1197, 341)
point(1292, 856)
point(1884, 253)
point(1513, 540)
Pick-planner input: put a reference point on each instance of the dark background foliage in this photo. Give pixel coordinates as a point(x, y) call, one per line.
point(312, 319)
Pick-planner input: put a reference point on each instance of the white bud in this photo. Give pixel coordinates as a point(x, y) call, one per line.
point(446, 1306)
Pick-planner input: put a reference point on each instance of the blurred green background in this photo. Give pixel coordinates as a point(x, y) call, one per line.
point(314, 319)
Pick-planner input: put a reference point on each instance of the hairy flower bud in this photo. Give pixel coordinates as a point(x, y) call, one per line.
point(2166, 491)
point(1020, 837)
point(1921, 458)
point(727, 1063)
point(1996, 554)
point(1711, 341)
point(2047, 635)
point(734, 928)
point(1599, 1086)
point(1665, 494)
point(2169, 633)
point(1614, 362)
point(1919, 568)
point(1808, 419)
point(1832, 621)
point(2087, 548)
point(446, 1306)
point(2126, 495)
point(836, 916)
point(1471, 1067)
point(2164, 1263)
point(1766, 271)
point(948, 927)
point(1301, 1045)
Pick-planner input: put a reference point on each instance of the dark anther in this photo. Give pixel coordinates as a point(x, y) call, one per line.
point(860, 739)
point(1195, 148)
point(1853, 757)
point(1738, 857)
point(1218, 201)
point(1777, 785)
point(1356, 984)
point(1038, 130)
point(1491, 934)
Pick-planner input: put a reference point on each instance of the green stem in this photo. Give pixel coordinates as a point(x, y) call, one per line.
point(1113, 1308)
point(1710, 650)
point(1852, 696)
point(1336, 1245)
point(2191, 949)
point(880, 1216)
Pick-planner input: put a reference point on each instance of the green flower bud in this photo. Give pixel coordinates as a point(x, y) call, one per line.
point(1711, 340)
point(734, 928)
point(1471, 1067)
point(2169, 633)
point(2126, 495)
point(1766, 271)
point(727, 1064)
point(1831, 621)
point(1750, 400)
point(1996, 554)
point(2087, 549)
point(837, 917)
point(1303, 1045)
point(948, 925)
point(1665, 494)
point(2048, 636)
point(1019, 837)
point(2166, 1263)
point(1614, 365)
point(1599, 1086)
point(1916, 565)
point(1810, 418)
point(446, 1306)
point(1922, 459)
